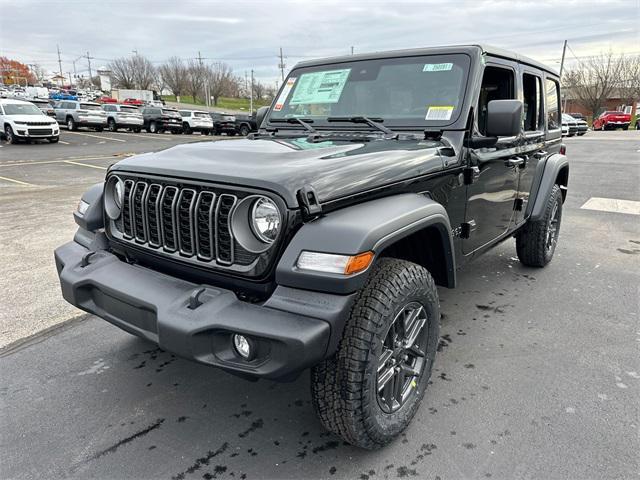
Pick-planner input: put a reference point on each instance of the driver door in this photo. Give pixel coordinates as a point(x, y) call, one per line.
point(491, 195)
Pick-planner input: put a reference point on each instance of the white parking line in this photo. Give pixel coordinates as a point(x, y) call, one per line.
point(64, 143)
point(84, 164)
point(613, 205)
point(62, 160)
point(98, 136)
point(19, 182)
point(146, 137)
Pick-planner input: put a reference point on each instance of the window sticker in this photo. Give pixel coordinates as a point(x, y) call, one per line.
point(439, 112)
point(320, 87)
point(284, 94)
point(437, 67)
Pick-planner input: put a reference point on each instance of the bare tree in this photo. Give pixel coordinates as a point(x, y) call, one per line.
point(593, 81)
point(196, 76)
point(124, 75)
point(219, 78)
point(629, 86)
point(144, 73)
point(258, 89)
point(174, 74)
point(38, 72)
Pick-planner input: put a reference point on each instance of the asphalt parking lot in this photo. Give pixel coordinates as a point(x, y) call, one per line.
point(538, 374)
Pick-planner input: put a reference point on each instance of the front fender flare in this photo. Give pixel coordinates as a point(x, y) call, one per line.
point(369, 226)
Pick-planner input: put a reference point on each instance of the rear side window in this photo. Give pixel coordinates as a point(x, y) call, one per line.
point(185, 114)
point(90, 106)
point(533, 115)
point(552, 93)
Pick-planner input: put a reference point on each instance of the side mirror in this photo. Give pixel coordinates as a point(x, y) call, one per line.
point(260, 114)
point(504, 118)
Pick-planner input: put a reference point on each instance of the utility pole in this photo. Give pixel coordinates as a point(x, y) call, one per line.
point(206, 81)
point(59, 60)
point(351, 49)
point(89, 63)
point(70, 81)
point(251, 96)
point(281, 65)
point(564, 50)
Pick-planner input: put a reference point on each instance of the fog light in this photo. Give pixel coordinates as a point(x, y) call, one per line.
point(243, 346)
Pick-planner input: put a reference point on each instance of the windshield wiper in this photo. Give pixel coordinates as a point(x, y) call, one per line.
point(372, 122)
point(302, 121)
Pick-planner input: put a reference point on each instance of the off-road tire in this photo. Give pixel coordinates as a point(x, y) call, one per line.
point(344, 387)
point(531, 242)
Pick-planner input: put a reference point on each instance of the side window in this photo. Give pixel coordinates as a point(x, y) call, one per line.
point(552, 93)
point(532, 89)
point(497, 84)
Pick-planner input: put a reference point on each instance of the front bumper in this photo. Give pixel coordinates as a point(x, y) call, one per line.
point(37, 132)
point(292, 330)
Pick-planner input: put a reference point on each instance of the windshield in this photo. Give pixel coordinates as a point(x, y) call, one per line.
point(408, 91)
point(90, 106)
point(21, 109)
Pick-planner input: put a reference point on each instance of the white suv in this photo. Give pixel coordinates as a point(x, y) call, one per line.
point(196, 121)
point(22, 120)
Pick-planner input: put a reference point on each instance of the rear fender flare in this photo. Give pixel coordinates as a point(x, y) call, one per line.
point(547, 174)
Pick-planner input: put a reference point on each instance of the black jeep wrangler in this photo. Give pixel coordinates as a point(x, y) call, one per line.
point(318, 242)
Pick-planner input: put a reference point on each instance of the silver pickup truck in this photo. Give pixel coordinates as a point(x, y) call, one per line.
point(74, 114)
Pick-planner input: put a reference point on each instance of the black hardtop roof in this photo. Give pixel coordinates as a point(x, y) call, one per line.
point(472, 50)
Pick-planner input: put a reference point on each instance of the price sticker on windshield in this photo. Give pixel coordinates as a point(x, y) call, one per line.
point(437, 67)
point(284, 94)
point(440, 112)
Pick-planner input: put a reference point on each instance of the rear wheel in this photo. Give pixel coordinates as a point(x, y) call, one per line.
point(186, 129)
point(99, 129)
point(9, 135)
point(111, 125)
point(153, 127)
point(537, 241)
point(369, 391)
point(626, 127)
point(136, 130)
point(244, 130)
point(71, 124)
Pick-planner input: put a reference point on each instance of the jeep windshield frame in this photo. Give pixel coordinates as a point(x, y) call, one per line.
point(406, 92)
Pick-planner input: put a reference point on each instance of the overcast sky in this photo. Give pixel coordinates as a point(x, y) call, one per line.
point(249, 34)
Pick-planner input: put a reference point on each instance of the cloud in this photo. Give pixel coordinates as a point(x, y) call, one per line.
point(249, 34)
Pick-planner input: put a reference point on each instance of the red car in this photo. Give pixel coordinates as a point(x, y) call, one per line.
point(105, 99)
point(612, 120)
point(133, 101)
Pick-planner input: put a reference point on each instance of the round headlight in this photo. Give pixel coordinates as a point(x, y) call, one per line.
point(114, 197)
point(119, 193)
point(265, 220)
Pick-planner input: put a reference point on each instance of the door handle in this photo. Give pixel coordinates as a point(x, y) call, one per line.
point(515, 162)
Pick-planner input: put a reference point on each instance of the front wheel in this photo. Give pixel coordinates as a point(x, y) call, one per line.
point(9, 135)
point(371, 388)
point(244, 130)
point(99, 129)
point(537, 241)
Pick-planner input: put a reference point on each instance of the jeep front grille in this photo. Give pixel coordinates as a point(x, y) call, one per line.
point(188, 221)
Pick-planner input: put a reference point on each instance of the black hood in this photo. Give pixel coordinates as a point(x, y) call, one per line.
point(335, 169)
